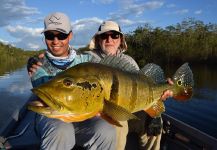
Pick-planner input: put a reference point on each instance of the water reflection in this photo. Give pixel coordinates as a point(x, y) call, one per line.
point(10, 65)
point(14, 92)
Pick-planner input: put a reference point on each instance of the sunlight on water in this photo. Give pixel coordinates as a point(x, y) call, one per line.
point(5, 75)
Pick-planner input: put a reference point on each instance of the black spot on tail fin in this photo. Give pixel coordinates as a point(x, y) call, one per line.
point(153, 72)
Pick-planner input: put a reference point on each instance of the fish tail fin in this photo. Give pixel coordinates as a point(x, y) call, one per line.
point(183, 82)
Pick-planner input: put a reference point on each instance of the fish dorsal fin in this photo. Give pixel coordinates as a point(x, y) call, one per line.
point(121, 63)
point(184, 75)
point(116, 112)
point(153, 72)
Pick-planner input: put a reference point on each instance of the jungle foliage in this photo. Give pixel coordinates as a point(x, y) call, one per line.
point(12, 58)
point(191, 41)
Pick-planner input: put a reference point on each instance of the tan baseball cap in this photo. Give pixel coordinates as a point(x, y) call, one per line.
point(109, 26)
point(57, 21)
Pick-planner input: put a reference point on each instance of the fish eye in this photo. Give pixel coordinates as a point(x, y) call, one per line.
point(67, 82)
point(179, 82)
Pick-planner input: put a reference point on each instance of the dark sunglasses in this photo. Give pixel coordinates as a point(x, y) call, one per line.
point(113, 35)
point(51, 36)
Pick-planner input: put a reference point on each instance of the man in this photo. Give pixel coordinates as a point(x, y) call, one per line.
point(93, 133)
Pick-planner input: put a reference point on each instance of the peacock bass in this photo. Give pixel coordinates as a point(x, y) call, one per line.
point(112, 88)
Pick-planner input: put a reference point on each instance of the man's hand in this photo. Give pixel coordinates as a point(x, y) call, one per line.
point(34, 63)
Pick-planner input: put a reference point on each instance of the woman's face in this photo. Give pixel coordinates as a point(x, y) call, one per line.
point(109, 42)
point(57, 42)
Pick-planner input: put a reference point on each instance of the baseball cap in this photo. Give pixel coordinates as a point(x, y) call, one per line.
point(57, 21)
point(109, 26)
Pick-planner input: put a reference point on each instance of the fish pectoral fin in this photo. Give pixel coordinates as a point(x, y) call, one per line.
point(117, 112)
point(156, 109)
point(110, 120)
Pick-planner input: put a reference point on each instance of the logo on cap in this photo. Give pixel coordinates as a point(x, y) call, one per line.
point(54, 20)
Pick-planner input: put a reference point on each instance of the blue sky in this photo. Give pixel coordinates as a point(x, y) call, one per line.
point(21, 21)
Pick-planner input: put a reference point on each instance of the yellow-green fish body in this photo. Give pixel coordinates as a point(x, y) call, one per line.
point(88, 89)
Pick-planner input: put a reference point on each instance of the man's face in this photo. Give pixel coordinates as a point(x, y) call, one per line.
point(109, 42)
point(57, 42)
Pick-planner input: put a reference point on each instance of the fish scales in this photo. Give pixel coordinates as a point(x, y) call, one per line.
point(120, 86)
point(131, 91)
point(87, 89)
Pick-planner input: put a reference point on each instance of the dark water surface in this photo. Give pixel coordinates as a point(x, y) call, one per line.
point(200, 112)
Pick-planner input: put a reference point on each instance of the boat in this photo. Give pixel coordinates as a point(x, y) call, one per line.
point(181, 136)
point(177, 135)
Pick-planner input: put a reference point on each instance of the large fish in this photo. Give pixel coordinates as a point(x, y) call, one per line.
point(112, 88)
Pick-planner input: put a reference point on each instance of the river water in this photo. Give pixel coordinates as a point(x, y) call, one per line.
point(200, 112)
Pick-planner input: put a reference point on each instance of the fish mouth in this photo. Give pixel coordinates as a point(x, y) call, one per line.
point(46, 104)
point(48, 107)
point(185, 94)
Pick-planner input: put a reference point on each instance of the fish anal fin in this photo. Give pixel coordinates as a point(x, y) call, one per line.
point(110, 120)
point(156, 109)
point(117, 112)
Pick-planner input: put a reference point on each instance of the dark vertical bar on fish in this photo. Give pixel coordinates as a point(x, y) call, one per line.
point(114, 88)
point(133, 95)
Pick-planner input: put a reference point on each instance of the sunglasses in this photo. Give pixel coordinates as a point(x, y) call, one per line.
point(59, 36)
point(113, 35)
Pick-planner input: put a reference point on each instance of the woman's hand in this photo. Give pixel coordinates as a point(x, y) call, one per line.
point(167, 93)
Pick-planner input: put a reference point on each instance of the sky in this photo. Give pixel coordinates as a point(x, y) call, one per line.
point(21, 21)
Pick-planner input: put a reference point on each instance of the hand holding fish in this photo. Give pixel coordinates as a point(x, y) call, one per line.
point(167, 93)
point(34, 63)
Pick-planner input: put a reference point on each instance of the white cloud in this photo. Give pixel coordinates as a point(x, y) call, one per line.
point(84, 29)
point(130, 8)
point(198, 12)
point(34, 46)
point(178, 12)
point(102, 1)
point(20, 31)
point(26, 38)
point(170, 5)
point(13, 10)
point(32, 39)
point(3, 41)
point(182, 11)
